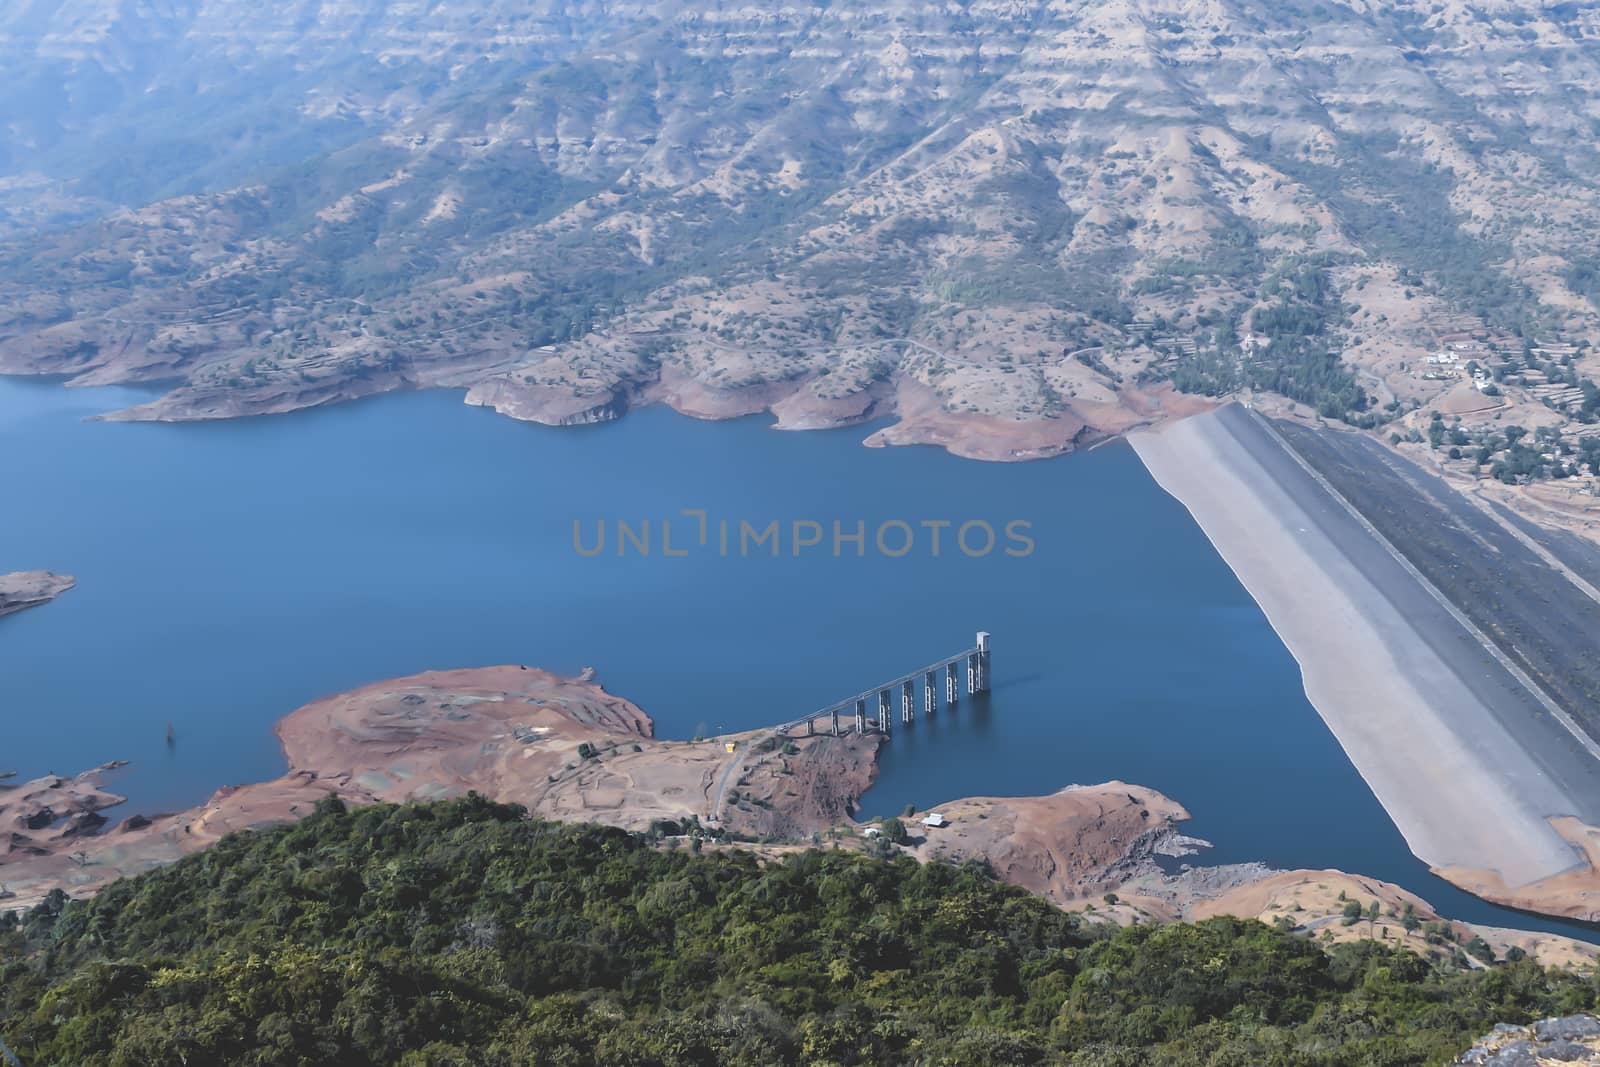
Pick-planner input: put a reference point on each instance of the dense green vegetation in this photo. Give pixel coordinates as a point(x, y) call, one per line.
point(1296, 362)
point(1306, 372)
point(463, 933)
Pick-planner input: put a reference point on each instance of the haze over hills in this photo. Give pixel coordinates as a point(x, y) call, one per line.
point(1005, 222)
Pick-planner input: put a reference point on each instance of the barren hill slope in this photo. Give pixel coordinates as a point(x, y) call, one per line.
point(1007, 222)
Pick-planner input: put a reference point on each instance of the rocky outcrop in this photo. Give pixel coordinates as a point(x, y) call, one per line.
point(550, 405)
point(1077, 843)
point(48, 812)
point(1547, 1043)
point(29, 589)
point(562, 747)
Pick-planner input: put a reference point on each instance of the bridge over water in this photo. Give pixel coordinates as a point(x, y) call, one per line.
point(974, 662)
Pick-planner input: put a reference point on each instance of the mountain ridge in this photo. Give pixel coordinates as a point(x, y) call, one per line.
point(1036, 214)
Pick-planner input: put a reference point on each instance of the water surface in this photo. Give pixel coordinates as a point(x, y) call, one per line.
point(230, 572)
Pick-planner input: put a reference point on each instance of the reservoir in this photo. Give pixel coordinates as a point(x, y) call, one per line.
point(230, 572)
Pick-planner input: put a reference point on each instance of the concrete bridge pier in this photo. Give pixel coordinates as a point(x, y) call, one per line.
point(980, 662)
point(978, 675)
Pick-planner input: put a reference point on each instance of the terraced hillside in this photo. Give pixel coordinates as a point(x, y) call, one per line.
point(1008, 223)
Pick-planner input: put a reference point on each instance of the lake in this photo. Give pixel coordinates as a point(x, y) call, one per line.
point(231, 572)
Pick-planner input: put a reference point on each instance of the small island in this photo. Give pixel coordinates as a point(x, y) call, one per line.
point(28, 589)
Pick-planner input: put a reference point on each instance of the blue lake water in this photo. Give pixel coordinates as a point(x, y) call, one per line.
point(230, 572)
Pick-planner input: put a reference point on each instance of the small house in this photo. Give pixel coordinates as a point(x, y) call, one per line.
point(935, 820)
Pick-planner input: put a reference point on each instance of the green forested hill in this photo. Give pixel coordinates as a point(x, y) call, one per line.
point(463, 933)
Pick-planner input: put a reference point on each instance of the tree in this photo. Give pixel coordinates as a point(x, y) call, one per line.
point(438, 935)
point(894, 830)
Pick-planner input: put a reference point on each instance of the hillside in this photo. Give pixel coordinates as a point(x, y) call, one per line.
point(463, 933)
point(1012, 225)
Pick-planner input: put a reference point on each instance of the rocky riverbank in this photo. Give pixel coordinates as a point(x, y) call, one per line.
point(1572, 1039)
point(562, 747)
point(567, 749)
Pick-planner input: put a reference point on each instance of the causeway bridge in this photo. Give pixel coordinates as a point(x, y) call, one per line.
point(874, 709)
point(973, 662)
